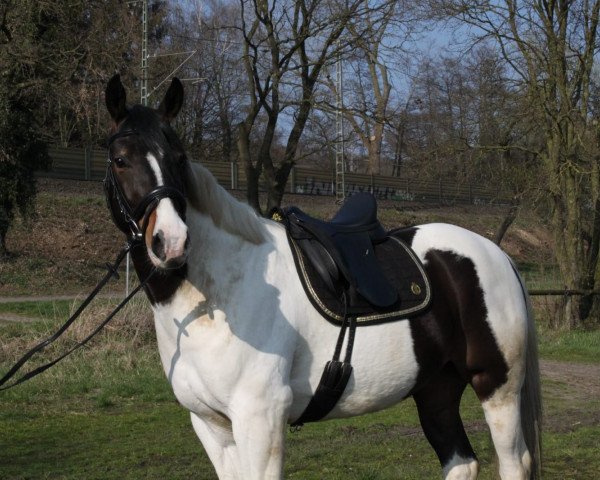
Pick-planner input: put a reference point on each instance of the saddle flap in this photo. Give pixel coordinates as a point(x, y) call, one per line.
point(322, 261)
point(399, 265)
point(358, 252)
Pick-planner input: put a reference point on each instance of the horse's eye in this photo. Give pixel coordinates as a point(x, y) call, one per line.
point(119, 162)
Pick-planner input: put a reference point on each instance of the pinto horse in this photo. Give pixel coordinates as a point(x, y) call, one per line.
point(243, 347)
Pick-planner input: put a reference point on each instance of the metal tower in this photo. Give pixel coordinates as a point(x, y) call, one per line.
point(340, 185)
point(144, 82)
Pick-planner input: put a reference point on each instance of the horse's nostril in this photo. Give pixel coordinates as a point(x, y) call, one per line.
point(187, 243)
point(158, 245)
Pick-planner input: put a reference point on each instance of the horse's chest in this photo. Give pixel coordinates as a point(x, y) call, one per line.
point(195, 360)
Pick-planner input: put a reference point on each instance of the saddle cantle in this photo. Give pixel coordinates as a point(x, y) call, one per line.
point(352, 266)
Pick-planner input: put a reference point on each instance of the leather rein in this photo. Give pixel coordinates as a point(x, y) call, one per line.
point(135, 237)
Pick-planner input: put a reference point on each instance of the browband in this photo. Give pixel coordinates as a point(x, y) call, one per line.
point(124, 133)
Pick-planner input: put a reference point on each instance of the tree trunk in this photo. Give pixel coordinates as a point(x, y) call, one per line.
point(510, 217)
point(374, 149)
point(3, 249)
point(576, 249)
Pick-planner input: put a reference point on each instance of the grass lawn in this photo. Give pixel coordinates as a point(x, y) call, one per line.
point(107, 412)
point(43, 310)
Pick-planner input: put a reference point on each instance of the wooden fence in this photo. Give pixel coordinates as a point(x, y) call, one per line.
point(90, 164)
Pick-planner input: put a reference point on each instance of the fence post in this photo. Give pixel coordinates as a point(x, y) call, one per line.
point(293, 180)
point(87, 162)
point(234, 175)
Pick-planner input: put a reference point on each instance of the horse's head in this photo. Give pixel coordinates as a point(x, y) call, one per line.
point(144, 182)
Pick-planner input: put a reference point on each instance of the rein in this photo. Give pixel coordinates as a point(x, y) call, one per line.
point(112, 272)
point(130, 216)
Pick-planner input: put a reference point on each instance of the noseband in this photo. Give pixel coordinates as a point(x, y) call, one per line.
point(140, 215)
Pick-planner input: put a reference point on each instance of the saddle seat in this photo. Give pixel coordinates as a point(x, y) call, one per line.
point(357, 214)
point(342, 250)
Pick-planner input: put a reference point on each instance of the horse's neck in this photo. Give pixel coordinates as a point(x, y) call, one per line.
point(218, 260)
point(160, 287)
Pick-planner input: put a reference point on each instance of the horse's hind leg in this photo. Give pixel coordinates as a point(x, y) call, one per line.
point(502, 414)
point(438, 404)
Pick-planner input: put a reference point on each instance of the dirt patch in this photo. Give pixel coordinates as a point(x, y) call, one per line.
point(14, 317)
point(571, 395)
point(64, 248)
point(583, 377)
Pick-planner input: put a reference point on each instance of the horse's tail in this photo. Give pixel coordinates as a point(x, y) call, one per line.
point(531, 395)
point(531, 399)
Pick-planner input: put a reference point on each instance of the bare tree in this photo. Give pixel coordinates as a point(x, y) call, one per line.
point(551, 47)
point(203, 49)
point(378, 40)
point(286, 49)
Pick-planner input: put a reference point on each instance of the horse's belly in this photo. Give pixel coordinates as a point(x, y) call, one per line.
point(385, 370)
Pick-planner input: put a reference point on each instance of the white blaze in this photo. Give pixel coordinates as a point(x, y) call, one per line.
point(167, 220)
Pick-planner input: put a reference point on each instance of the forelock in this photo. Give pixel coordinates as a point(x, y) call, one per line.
point(158, 138)
point(147, 124)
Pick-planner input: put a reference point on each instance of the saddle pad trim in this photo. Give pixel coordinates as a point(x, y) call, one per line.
point(409, 311)
point(368, 319)
point(313, 297)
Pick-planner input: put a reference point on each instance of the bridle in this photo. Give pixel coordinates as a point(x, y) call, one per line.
point(134, 217)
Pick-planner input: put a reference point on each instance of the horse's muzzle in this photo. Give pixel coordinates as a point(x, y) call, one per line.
point(168, 252)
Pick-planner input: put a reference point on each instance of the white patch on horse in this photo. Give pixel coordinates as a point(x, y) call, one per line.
point(503, 416)
point(156, 169)
point(168, 221)
point(461, 468)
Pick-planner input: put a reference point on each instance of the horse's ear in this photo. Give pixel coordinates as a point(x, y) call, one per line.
point(116, 98)
point(171, 104)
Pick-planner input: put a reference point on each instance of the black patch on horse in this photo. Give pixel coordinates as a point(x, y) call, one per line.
point(456, 329)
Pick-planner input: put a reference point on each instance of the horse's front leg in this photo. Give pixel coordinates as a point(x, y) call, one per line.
point(259, 425)
point(216, 437)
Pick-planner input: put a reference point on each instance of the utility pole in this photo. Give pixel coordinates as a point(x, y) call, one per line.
point(340, 185)
point(143, 101)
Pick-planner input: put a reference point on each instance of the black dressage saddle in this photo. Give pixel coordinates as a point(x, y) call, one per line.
point(354, 273)
point(352, 265)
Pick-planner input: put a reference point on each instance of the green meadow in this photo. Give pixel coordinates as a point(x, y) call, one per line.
point(107, 412)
